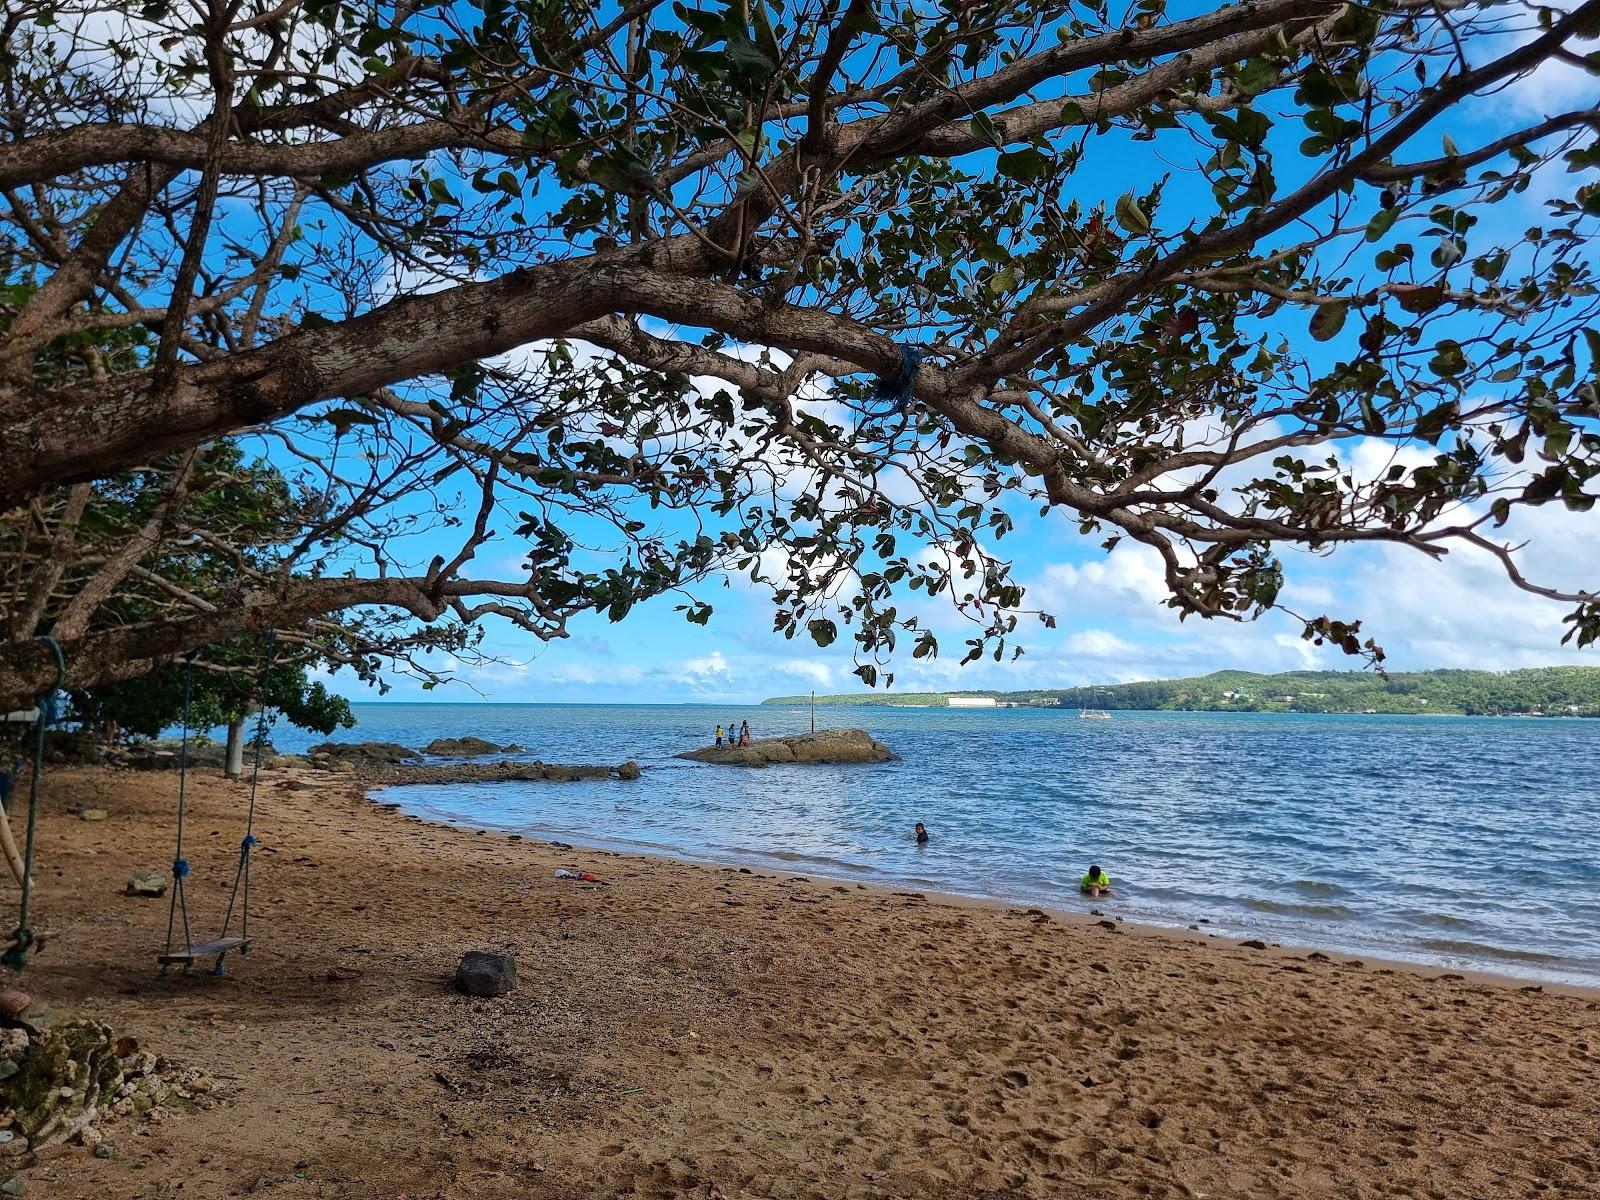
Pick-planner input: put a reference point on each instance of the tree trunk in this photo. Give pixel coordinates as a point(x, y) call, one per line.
point(233, 764)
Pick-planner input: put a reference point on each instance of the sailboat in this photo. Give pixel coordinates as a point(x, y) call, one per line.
point(1092, 714)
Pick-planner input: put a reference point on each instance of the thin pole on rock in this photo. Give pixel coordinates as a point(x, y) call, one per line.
point(813, 711)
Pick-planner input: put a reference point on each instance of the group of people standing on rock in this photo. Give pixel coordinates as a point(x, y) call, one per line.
point(737, 735)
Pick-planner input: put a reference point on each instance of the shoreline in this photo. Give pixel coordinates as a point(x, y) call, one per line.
point(679, 1031)
point(1176, 931)
point(1228, 930)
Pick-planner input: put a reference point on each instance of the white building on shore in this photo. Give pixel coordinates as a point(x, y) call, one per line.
point(972, 702)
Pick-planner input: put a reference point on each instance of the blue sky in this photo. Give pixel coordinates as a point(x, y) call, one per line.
point(1112, 623)
point(1112, 627)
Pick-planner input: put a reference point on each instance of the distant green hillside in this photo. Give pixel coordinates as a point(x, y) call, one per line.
point(1549, 691)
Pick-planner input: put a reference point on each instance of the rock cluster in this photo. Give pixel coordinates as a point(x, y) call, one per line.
point(164, 754)
point(360, 753)
point(61, 1080)
point(467, 747)
point(824, 746)
point(487, 772)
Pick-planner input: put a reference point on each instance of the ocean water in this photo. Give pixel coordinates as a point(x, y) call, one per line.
point(1462, 842)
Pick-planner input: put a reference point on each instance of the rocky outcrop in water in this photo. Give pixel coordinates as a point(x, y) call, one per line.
point(824, 746)
point(467, 747)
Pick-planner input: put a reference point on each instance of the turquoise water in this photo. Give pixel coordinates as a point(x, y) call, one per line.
point(1451, 841)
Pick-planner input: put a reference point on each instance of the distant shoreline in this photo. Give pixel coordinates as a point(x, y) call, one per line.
point(1529, 692)
point(867, 702)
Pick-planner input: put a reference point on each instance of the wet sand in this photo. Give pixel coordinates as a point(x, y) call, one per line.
point(697, 1031)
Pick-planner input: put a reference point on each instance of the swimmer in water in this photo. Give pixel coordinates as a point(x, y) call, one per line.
point(1095, 883)
point(922, 834)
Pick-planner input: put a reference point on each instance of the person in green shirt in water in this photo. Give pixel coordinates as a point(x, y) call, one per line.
point(1095, 883)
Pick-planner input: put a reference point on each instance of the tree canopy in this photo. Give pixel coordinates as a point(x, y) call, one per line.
point(656, 289)
point(153, 702)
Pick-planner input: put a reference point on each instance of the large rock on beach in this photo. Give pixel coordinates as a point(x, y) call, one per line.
point(824, 746)
point(364, 752)
point(147, 883)
point(485, 973)
point(467, 747)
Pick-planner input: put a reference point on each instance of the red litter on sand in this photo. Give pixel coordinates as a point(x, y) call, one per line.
point(563, 873)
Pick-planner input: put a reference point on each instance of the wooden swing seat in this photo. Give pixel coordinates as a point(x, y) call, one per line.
point(199, 950)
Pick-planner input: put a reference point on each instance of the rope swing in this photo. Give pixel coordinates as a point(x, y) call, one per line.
point(190, 951)
point(24, 940)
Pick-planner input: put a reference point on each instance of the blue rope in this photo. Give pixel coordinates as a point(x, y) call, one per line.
point(896, 389)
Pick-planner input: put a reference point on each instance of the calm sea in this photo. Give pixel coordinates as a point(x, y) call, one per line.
point(1450, 841)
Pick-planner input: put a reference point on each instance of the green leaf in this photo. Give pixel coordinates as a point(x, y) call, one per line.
point(1257, 76)
point(984, 128)
point(1421, 300)
point(1130, 216)
point(1025, 165)
point(1448, 360)
point(1382, 221)
point(342, 419)
point(1329, 319)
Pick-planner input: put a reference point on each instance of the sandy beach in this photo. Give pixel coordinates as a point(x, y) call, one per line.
point(694, 1031)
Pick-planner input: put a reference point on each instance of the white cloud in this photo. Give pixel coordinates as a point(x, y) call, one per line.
point(1100, 643)
point(1465, 612)
point(808, 669)
point(711, 668)
point(1129, 582)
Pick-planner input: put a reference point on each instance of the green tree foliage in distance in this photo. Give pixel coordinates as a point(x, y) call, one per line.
point(149, 704)
point(1551, 691)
